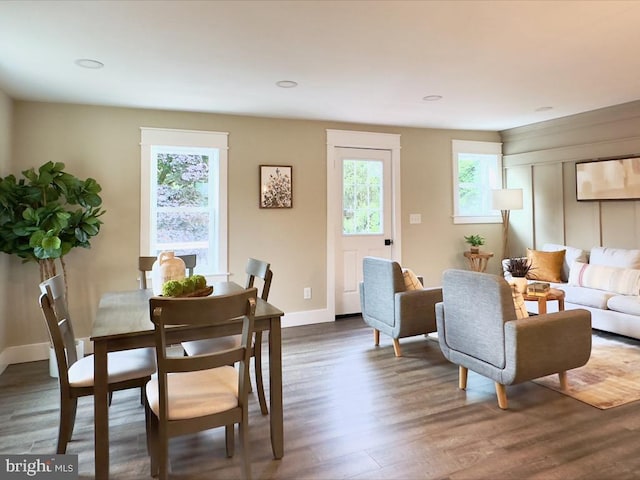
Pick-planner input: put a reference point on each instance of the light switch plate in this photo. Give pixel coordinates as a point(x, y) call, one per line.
point(415, 218)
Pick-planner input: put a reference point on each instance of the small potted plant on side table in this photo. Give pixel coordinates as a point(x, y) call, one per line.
point(476, 241)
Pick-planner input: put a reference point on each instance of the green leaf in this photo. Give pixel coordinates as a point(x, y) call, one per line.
point(36, 239)
point(51, 243)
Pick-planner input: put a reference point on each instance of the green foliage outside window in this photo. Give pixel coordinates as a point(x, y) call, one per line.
point(362, 197)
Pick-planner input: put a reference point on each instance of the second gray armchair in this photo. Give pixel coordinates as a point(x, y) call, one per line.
point(390, 308)
point(478, 330)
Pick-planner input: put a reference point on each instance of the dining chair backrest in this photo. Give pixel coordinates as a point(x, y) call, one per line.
point(145, 264)
point(259, 269)
point(56, 314)
point(201, 311)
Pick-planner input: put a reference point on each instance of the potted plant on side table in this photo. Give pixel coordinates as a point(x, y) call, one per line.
point(476, 241)
point(519, 268)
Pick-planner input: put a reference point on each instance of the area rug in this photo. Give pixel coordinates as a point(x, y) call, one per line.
point(610, 378)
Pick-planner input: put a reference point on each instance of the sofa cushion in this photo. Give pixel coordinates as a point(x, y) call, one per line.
point(588, 297)
point(629, 304)
point(545, 266)
point(571, 254)
point(615, 257)
point(411, 281)
point(625, 281)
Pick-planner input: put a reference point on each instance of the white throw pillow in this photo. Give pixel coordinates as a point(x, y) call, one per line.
point(615, 257)
point(411, 281)
point(625, 281)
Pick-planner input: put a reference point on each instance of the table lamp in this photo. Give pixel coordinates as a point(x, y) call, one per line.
point(505, 200)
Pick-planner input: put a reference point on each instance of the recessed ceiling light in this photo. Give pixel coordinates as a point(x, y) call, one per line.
point(88, 63)
point(287, 84)
point(432, 98)
point(543, 109)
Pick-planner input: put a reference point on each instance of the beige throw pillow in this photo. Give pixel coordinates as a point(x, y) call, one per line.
point(518, 303)
point(545, 266)
point(411, 281)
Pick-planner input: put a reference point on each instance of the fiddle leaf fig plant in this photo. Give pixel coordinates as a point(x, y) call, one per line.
point(46, 214)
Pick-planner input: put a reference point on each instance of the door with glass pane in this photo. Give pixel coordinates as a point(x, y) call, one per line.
point(364, 226)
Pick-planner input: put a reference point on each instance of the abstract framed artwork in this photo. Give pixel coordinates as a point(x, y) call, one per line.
point(610, 179)
point(276, 186)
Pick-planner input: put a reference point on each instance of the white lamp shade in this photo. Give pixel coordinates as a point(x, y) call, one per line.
point(506, 199)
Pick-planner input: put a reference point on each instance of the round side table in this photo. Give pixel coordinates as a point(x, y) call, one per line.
point(478, 261)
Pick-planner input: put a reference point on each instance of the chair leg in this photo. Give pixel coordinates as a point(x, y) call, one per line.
point(152, 440)
point(462, 377)
point(110, 397)
point(230, 439)
point(244, 445)
point(501, 392)
point(68, 409)
point(376, 337)
point(163, 452)
point(257, 366)
point(396, 347)
point(562, 376)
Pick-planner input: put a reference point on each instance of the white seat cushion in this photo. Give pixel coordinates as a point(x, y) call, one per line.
point(125, 365)
point(629, 304)
point(589, 297)
point(197, 394)
point(211, 345)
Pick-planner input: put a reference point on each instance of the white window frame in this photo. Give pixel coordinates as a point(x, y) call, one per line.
point(475, 147)
point(162, 137)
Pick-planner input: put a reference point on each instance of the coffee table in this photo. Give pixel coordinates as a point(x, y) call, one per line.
point(543, 298)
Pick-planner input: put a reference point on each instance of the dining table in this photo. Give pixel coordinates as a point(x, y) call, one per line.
point(123, 322)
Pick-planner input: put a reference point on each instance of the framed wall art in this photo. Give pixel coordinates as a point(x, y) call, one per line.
point(611, 179)
point(276, 186)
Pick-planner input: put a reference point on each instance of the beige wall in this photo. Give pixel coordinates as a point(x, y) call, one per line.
point(5, 164)
point(103, 143)
point(541, 159)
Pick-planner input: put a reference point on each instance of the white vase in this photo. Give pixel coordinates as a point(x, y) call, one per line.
point(520, 283)
point(166, 267)
point(53, 364)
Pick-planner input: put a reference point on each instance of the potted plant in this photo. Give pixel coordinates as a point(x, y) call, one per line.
point(519, 268)
point(46, 214)
point(476, 241)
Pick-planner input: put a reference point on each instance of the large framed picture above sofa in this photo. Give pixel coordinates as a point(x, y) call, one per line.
point(609, 179)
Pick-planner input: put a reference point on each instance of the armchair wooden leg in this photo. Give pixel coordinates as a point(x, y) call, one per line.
point(563, 380)
point(396, 347)
point(501, 392)
point(462, 377)
point(376, 337)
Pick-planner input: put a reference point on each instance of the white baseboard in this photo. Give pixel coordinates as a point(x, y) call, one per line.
point(40, 351)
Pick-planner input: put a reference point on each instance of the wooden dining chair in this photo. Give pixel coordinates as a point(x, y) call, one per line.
point(191, 394)
point(127, 369)
point(145, 264)
point(254, 269)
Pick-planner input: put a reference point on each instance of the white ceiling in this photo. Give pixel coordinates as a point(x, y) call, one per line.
point(494, 62)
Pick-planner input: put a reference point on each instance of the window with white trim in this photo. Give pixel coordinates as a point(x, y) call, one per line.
point(184, 196)
point(477, 169)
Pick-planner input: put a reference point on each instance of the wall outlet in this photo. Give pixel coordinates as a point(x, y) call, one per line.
point(307, 293)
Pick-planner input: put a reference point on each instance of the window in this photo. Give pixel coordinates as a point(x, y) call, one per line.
point(477, 169)
point(184, 196)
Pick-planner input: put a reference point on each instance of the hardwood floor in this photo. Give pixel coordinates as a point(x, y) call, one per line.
point(355, 411)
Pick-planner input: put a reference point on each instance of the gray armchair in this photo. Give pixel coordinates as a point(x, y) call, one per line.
point(478, 330)
point(391, 309)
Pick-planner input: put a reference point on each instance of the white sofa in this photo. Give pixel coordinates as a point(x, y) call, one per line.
point(605, 281)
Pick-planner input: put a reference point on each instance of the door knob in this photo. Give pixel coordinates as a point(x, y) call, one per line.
point(388, 241)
